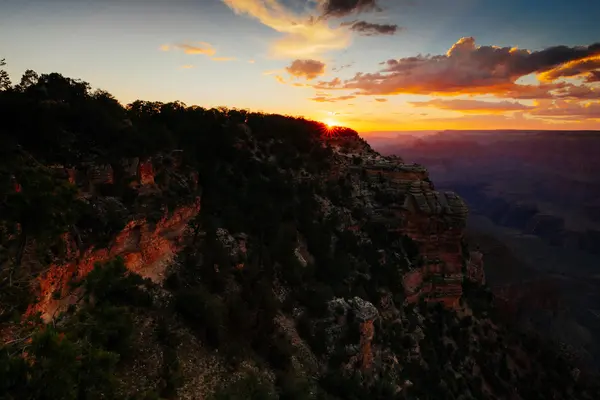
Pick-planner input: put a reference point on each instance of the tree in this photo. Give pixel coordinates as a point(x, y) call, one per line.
point(5, 83)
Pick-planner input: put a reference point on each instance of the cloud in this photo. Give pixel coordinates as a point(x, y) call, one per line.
point(564, 109)
point(251, 61)
point(341, 67)
point(342, 8)
point(197, 48)
point(381, 100)
point(572, 69)
point(593, 76)
point(328, 99)
point(369, 29)
point(309, 69)
point(580, 92)
point(473, 106)
point(202, 48)
point(223, 58)
point(469, 69)
point(187, 66)
point(332, 84)
point(303, 36)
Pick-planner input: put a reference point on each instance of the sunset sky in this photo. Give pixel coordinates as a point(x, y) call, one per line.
point(373, 65)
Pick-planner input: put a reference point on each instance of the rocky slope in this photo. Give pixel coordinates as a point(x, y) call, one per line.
point(272, 258)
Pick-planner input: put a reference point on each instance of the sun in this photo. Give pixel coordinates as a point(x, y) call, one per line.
point(330, 123)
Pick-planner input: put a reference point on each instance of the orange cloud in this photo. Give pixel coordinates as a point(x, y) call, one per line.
point(574, 68)
point(473, 106)
point(335, 83)
point(303, 36)
point(565, 109)
point(380, 100)
point(223, 58)
point(308, 69)
point(202, 48)
point(187, 66)
point(197, 48)
point(593, 76)
point(468, 69)
point(570, 91)
point(327, 99)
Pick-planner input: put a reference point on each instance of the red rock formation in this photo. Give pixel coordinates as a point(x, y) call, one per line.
point(440, 279)
point(146, 172)
point(71, 173)
point(435, 222)
point(367, 331)
point(146, 249)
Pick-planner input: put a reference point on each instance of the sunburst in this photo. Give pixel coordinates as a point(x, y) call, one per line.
point(330, 123)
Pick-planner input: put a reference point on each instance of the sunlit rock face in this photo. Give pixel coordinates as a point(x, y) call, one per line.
point(147, 246)
point(146, 172)
point(146, 249)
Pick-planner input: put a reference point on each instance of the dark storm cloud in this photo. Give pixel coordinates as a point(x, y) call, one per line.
point(365, 28)
point(342, 8)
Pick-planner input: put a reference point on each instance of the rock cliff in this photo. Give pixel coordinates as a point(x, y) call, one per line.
point(405, 200)
point(146, 246)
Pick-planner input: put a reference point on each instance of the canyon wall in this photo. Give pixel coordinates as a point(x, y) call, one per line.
point(146, 246)
point(435, 221)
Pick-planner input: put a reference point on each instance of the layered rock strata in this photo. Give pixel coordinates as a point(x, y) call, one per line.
point(435, 221)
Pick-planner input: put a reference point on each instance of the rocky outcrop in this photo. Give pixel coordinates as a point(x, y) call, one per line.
point(146, 172)
point(406, 202)
point(151, 234)
point(146, 249)
point(358, 315)
point(435, 221)
point(398, 173)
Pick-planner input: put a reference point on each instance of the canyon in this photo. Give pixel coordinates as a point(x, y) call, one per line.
point(531, 198)
point(272, 254)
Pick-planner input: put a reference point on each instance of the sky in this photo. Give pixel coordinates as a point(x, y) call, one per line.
point(372, 65)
